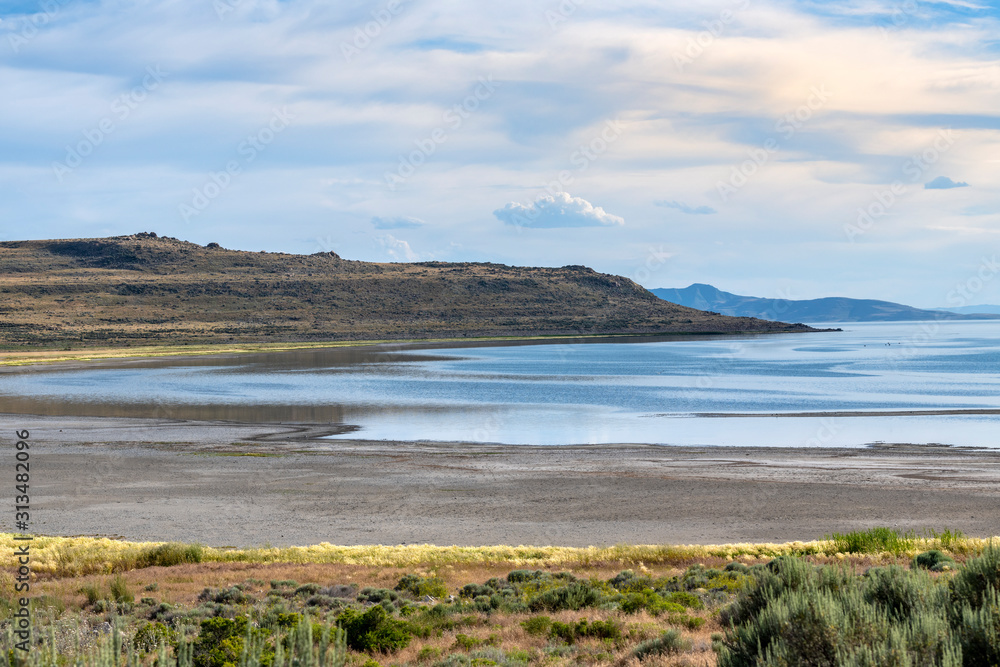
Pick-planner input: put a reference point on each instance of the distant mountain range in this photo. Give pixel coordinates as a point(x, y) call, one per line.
point(830, 309)
point(972, 310)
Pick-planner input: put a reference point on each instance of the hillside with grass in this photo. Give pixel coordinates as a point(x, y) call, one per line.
point(146, 289)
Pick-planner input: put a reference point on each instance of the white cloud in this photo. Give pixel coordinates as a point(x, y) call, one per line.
point(684, 208)
point(397, 249)
point(560, 210)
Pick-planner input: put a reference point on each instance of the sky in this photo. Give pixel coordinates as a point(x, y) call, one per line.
point(777, 148)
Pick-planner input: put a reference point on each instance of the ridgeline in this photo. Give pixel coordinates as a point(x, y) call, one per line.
point(146, 289)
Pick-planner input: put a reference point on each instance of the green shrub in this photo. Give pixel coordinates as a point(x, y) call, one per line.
point(795, 614)
point(929, 559)
point(173, 553)
point(307, 589)
point(277, 584)
point(374, 630)
point(685, 599)
point(573, 597)
point(898, 592)
point(152, 587)
point(979, 630)
point(120, 591)
point(627, 581)
point(669, 642)
point(222, 641)
point(421, 586)
point(650, 601)
point(91, 592)
point(689, 622)
point(537, 625)
point(974, 582)
point(231, 595)
point(873, 540)
point(465, 642)
point(373, 595)
point(570, 632)
point(151, 636)
point(521, 576)
point(739, 568)
point(429, 653)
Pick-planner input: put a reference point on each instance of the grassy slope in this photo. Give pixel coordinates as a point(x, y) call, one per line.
point(144, 290)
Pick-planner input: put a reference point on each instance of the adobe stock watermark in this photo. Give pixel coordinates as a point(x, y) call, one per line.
point(223, 7)
point(31, 25)
point(785, 128)
point(714, 29)
point(248, 150)
point(562, 12)
point(826, 433)
point(364, 35)
point(656, 259)
point(121, 108)
point(883, 200)
point(964, 292)
point(899, 17)
point(452, 120)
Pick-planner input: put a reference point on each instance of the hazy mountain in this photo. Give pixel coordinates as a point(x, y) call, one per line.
point(830, 309)
point(973, 310)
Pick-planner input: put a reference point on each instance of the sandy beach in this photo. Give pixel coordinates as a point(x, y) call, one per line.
point(251, 484)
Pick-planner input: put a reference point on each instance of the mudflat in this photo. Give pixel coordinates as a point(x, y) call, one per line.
point(282, 484)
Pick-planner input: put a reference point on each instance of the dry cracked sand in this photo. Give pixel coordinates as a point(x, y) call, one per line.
point(250, 484)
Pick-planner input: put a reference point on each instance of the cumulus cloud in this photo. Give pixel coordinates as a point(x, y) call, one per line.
point(684, 208)
point(397, 223)
point(397, 249)
point(559, 210)
point(944, 183)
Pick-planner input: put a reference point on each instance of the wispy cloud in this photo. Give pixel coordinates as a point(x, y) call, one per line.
point(397, 223)
point(397, 249)
point(559, 210)
point(684, 208)
point(944, 183)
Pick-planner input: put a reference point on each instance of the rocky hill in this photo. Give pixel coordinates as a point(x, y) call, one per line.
point(145, 288)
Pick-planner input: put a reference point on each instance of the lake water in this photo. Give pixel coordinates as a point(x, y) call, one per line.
point(722, 391)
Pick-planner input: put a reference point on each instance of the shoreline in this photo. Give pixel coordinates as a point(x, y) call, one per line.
point(27, 358)
point(242, 484)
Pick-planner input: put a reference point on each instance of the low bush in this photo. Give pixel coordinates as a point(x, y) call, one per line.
point(537, 625)
point(120, 591)
point(573, 597)
point(796, 613)
point(421, 586)
point(929, 560)
point(91, 592)
point(172, 553)
point(669, 642)
point(650, 601)
point(571, 632)
point(151, 636)
point(374, 631)
point(231, 595)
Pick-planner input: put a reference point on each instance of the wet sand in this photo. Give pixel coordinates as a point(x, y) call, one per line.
point(145, 479)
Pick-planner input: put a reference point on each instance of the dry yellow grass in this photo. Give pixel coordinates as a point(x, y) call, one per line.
point(78, 556)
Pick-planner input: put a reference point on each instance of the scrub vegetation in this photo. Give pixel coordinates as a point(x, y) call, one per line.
point(934, 600)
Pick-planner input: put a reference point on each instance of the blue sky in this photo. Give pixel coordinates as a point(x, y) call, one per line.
point(775, 148)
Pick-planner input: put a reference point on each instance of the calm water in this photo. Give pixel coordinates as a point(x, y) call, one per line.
point(651, 392)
